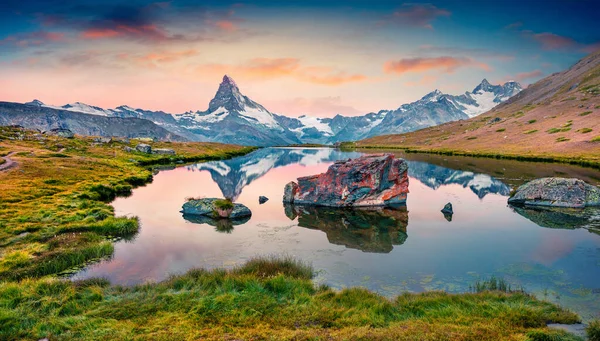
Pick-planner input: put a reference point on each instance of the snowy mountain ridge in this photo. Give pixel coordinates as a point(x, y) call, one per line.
point(232, 117)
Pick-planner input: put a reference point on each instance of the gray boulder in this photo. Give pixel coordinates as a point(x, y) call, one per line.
point(163, 151)
point(128, 149)
point(556, 192)
point(144, 148)
point(206, 207)
point(262, 199)
point(62, 132)
point(103, 139)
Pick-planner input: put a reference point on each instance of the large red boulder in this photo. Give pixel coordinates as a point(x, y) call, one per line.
point(370, 180)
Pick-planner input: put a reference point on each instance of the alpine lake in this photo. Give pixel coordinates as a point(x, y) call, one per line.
point(552, 254)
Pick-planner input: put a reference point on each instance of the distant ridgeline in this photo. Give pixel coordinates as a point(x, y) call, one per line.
point(232, 117)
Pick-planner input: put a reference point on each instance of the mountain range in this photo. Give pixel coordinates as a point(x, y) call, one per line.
point(232, 117)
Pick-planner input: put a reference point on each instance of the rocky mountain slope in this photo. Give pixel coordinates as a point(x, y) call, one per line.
point(234, 118)
point(558, 116)
point(47, 118)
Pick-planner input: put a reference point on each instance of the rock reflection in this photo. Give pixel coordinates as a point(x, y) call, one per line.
point(373, 230)
point(221, 225)
point(561, 218)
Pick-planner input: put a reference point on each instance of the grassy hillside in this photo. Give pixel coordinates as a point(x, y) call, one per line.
point(54, 203)
point(558, 118)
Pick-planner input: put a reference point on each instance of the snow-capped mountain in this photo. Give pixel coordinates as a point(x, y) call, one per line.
point(232, 117)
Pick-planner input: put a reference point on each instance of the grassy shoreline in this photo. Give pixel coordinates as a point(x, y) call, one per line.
point(584, 162)
point(54, 204)
point(265, 299)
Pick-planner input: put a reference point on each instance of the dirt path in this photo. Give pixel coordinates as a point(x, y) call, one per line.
point(8, 162)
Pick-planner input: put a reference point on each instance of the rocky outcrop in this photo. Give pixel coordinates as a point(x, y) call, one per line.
point(206, 207)
point(369, 229)
point(556, 192)
point(144, 148)
point(62, 132)
point(370, 180)
point(262, 199)
point(448, 211)
point(163, 151)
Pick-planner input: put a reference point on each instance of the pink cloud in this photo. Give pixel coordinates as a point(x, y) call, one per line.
point(551, 41)
point(445, 64)
point(320, 106)
point(34, 38)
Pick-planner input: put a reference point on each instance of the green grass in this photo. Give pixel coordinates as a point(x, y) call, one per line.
point(531, 121)
point(531, 131)
point(595, 139)
point(471, 137)
point(562, 139)
point(54, 207)
point(558, 130)
point(585, 113)
point(501, 130)
point(593, 330)
point(494, 284)
point(267, 298)
point(585, 130)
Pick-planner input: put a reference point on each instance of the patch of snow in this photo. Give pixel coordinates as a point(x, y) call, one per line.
point(86, 109)
point(481, 181)
point(259, 115)
point(315, 122)
point(485, 102)
point(219, 167)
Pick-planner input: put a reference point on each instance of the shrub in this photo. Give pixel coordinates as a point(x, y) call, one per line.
point(596, 139)
point(562, 139)
point(224, 204)
point(585, 130)
point(471, 138)
point(501, 130)
point(531, 121)
point(530, 131)
point(593, 330)
point(585, 113)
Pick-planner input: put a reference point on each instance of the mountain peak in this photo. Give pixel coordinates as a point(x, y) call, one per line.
point(228, 96)
point(35, 102)
point(228, 80)
point(483, 86)
point(432, 96)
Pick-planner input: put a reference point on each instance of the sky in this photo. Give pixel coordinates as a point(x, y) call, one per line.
point(318, 58)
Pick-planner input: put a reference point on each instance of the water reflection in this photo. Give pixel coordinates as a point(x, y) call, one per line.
point(374, 230)
point(561, 218)
point(235, 174)
point(434, 176)
point(221, 225)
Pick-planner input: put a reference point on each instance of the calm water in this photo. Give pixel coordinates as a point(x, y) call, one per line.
point(390, 251)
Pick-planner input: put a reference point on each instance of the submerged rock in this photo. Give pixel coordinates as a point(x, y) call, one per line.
point(144, 148)
point(370, 180)
point(206, 207)
point(262, 199)
point(369, 229)
point(556, 192)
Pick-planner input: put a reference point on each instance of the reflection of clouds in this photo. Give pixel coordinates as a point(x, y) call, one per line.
point(434, 176)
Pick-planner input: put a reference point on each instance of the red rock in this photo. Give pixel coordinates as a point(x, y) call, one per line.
point(370, 180)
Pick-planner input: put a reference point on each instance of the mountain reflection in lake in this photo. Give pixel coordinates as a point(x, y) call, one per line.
point(390, 251)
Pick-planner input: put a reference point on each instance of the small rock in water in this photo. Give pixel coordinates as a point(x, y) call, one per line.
point(448, 208)
point(144, 148)
point(206, 207)
point(447, 211)
point(262, 199)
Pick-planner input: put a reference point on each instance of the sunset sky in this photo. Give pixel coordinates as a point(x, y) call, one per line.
point(298, 57)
